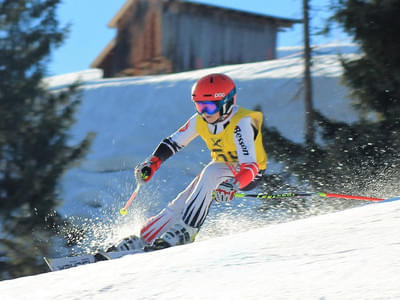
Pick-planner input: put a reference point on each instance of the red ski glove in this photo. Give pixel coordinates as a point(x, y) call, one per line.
point(226, 190)
point(146, 170)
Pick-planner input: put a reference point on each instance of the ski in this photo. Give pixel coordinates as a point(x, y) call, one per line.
point(62, 263)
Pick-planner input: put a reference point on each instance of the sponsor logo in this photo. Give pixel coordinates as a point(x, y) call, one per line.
point(239, 138)
point(217, 95)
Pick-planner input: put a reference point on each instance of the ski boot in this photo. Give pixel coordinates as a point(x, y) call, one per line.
point(100, 256)
point(129, 243)
point(178, 234)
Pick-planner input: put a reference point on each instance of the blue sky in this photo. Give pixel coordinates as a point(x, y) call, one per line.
point(89, 33)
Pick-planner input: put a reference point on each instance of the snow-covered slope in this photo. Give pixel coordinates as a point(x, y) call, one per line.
point(353, 254)
point(131, 115)
point(347, 255)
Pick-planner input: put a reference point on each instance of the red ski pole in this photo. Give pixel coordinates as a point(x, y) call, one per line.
point(124, 210)
point(342, 196)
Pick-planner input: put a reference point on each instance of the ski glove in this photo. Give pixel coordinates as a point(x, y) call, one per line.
point(146, 170)
point(226, 190)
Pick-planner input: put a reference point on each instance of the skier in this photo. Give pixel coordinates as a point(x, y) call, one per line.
point(238, 161)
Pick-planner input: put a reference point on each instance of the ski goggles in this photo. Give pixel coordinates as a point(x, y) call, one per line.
point(211, 107)
point(208, 107)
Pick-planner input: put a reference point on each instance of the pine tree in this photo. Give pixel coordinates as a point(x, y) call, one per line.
point(359, 157)
point(34, 124)
point(374, 79)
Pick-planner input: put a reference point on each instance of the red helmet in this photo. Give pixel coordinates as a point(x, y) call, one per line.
point(214, 92)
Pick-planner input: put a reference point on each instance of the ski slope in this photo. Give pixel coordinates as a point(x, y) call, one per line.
point(239, 254)
point(352, 254)
point(130, 116)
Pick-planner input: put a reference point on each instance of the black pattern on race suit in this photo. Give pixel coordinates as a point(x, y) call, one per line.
point(198, 203)
point(166, 149)
point(198, 218)
point(191, 205)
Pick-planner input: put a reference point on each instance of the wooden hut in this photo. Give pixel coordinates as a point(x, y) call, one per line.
point(164, 36)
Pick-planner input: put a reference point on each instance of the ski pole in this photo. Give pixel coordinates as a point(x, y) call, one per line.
point(300, 194)
point(124, 210)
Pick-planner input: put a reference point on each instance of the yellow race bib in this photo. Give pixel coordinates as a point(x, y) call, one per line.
point(222, 145)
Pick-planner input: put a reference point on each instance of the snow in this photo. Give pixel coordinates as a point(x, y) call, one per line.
point(131, 115)
point(238, 254)
point(67, 79)
point(351, 254)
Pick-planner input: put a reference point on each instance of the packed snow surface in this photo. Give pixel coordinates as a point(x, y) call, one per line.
point(352, 254)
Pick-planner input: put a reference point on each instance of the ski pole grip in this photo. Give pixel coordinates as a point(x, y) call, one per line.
point(145, 172)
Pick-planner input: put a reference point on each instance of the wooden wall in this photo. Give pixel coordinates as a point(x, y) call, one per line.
point(194, 38)
point(167, 36)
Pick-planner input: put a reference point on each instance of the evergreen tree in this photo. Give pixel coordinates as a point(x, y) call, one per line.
point(374, 78)
point(34, 124)
point(355, 158)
